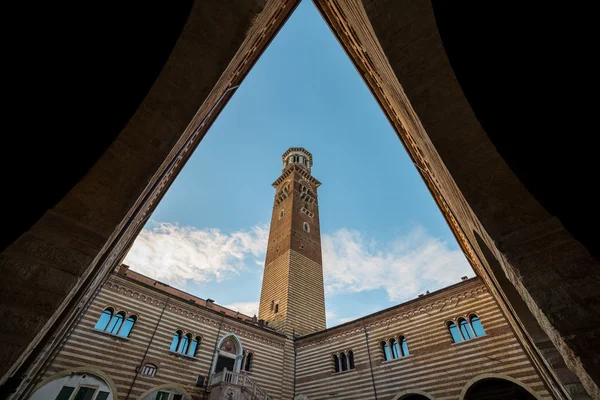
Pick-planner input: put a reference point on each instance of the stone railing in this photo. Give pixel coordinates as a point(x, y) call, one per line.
point(242, 380)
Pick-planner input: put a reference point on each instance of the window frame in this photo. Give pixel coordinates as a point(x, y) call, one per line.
point(403, 341)
point(179, 333)
point(468, 328)
point(336, 363)
point(135, 320)
point(469, 319)
point(112, 314)
point(387, 355)
point(306, 227)
point(151, 366)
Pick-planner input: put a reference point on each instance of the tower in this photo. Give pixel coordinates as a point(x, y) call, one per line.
point(292, 298)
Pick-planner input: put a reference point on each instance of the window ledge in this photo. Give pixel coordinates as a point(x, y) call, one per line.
point(397, 359)
point(470, 340)
point(176, 354)
point(344, 372)
point(123, 338)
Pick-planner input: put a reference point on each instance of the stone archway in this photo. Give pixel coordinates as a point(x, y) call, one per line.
point(72, 381)
point(548, 352)
point(229, 353)
point(171, 390)
point(497, 387)
point(413, 394)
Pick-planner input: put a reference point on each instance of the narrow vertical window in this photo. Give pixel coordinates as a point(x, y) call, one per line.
point(403, 346)
point(386, 351)
point(465, 329)
point(85, 393)
point(395, 348)
point(306, 227)
point(185, 344)
point(65, 392)
point(454, 332)
point(194, 346)
point(276, 308)
point(248, 362)
point(104, 319)
point(115, 323)
point(344, 361)
point(127, 326)
point(350, 359)
point(477, 327)
point(281, 214)
point(336, 363)
point(176, 340)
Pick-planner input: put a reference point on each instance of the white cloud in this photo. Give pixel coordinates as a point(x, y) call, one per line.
point(346, 319)
point(175, 254)
point(330, 315)
point(248, 308)
point(404, 267)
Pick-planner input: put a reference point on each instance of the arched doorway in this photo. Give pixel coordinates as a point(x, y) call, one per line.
point(75, 384)
point(495, 388)
point(229, 354)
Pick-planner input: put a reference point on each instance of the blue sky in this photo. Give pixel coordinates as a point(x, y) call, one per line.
point(384, 239)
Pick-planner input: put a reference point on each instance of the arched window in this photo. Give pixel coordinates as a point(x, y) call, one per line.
point(336, 363)
point(403, 346)
point(104, 319)
point(248, 364)
point(465, 329)
point(306, 227)
point(115, 323)
point(386, 351)
point(184, 347)
point(194, 346)
point(276, 308)
point(395, 348)
point(344, 361)
point(350, 359)
point(176, 340)
point(149, 370)
point(477, 327)
point(128, 325)
point(454, 332)
point(281, 214)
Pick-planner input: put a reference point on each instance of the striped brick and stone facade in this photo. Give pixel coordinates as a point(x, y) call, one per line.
point(435, 367)
point(161, 311)
point(171, 345)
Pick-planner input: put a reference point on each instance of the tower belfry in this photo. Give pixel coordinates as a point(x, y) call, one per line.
point(293, 297)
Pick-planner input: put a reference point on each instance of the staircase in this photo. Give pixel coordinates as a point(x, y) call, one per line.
point(228, 385)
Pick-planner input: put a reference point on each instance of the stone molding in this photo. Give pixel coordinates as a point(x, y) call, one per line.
point(196, 315)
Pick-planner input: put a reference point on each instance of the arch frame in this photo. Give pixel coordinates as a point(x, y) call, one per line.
point(238, 357)
point(406, 393)
point(481, 377)
point(175, 386)
point(84, 369)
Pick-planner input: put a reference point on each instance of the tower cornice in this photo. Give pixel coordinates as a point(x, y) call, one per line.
point(296, 168)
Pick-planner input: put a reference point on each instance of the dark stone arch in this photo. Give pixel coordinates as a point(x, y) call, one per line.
point(497, 389)
point(546, 349)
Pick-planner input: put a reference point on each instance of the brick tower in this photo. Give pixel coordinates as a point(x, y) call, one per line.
point(293, 296)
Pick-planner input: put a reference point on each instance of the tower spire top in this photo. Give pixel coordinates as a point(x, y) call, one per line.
point(297, 156)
